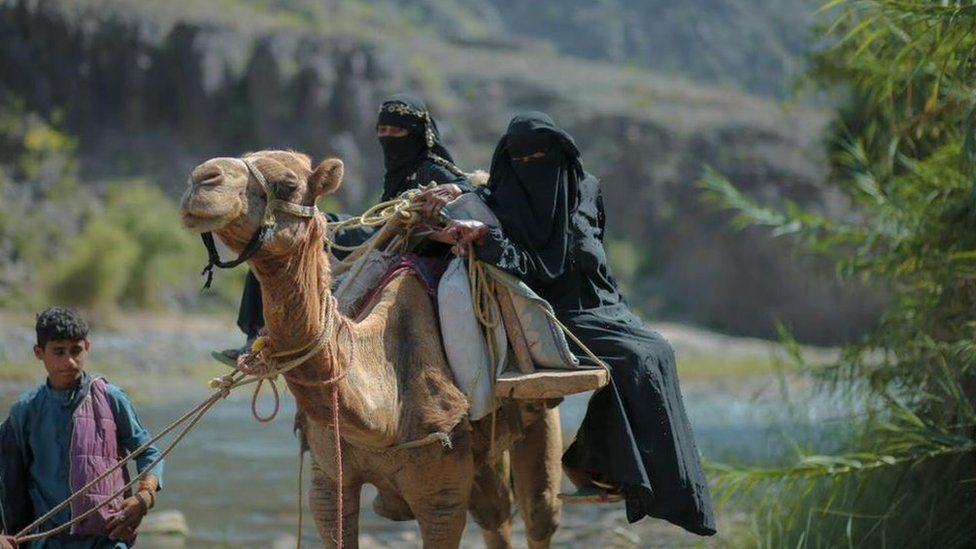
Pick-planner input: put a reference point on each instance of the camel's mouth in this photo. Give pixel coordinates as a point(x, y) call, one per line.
point(205, 223)
point(208, 208)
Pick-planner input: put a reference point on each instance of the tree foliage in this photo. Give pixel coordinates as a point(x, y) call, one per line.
point(130, 253)
point(902, 148)
point(92, 245)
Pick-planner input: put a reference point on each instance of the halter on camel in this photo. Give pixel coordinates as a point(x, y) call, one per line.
point(262, 233)
point(270, 371)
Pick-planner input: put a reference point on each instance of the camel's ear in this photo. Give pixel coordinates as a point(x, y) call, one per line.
point(326, 177)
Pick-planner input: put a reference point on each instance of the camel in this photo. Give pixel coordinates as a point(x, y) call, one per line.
point(395, 386)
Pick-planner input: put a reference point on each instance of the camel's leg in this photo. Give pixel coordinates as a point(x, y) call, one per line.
point(491, 503)
point(391, 506)
point(437, 486)
point(322, 501)
point(537, 471)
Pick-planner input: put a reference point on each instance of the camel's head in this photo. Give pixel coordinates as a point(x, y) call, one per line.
point(226, 196)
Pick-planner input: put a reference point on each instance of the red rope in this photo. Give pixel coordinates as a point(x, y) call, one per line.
point(338, 460)
point(251, 364)
point(254, 402)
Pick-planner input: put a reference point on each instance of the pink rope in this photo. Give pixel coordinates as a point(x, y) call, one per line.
point(252, 364)
point(338, 460)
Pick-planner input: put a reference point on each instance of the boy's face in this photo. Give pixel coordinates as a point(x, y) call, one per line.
point(64, 359)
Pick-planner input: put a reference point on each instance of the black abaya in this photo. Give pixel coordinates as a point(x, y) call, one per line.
point(635, 432)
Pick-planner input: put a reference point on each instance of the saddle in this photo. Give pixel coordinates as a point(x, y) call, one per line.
point(522, 354)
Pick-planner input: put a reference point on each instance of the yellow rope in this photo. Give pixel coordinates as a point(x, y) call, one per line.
point(224, 384)
point(194, 415)
point(483, 297)
point(486, 310)
point(403, 209)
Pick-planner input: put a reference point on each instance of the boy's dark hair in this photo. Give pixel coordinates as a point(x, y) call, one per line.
point(57, 323)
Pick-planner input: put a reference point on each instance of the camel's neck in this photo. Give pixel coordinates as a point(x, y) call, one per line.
point(292, 290)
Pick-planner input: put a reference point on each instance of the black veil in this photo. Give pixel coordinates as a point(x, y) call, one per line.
point(534, 199)
point(403, 155)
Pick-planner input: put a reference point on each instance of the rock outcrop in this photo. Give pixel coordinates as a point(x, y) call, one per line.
point(151, 94)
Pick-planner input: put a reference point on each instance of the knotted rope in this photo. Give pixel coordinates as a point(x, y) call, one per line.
point(402, 210)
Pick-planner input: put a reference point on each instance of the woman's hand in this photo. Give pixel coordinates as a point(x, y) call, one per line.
point(435, 198)
point(462, 234)
point(8, 542)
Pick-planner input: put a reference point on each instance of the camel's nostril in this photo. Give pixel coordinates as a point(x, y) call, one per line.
point(207, 175)
point(215, 180)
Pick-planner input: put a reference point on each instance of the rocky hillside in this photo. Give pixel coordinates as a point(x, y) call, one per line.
point(754, 45)
point(151, 89)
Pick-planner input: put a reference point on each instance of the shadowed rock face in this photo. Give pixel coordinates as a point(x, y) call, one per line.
point(151, 96)
point(163, 94)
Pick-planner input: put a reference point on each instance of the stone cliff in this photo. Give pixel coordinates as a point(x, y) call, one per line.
point(150, 93)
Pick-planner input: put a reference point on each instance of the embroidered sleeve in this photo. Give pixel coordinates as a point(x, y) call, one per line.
point(501, 252)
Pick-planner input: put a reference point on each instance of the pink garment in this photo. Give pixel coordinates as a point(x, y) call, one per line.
point(94, 450)
point(427, 269)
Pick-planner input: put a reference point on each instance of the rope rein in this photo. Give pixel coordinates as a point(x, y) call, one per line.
point(260, 366)
point(248, 372)
point(193, 416)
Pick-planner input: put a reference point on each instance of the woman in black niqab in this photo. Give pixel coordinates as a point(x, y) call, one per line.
point(417, 157)
point(534, 198)
point(636, 435)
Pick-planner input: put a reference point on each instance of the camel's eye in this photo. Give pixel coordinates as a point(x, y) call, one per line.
point(286, 186)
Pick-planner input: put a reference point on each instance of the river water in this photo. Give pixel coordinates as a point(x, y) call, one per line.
point(234, 479)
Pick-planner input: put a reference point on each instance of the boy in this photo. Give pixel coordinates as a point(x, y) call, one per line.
point(65, 433)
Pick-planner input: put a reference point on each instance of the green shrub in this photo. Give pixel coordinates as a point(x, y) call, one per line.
point(166, 252)
point(903, 154)
point(97, 271)
point(130, 253)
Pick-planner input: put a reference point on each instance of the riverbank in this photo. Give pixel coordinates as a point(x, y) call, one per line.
point(153, 352)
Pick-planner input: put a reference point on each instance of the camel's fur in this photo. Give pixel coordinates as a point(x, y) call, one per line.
point(397, 385)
